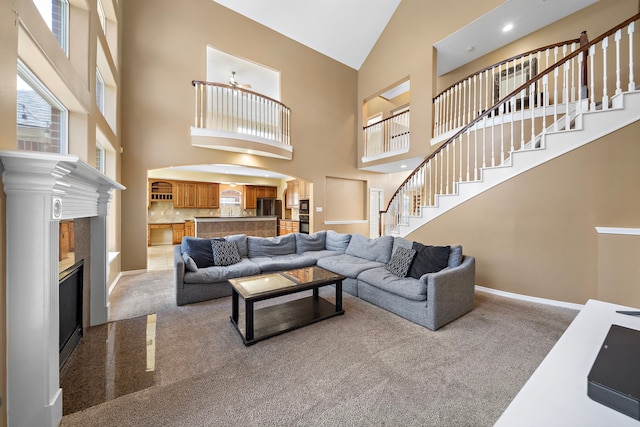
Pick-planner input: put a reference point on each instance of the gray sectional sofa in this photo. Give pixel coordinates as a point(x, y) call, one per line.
point(393, 273)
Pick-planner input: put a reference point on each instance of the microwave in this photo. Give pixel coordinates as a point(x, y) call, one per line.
point(304, 207)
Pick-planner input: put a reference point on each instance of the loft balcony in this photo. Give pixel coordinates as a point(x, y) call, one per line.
point(231, 118)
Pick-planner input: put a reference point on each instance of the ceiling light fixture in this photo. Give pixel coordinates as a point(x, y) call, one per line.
point(507, 27)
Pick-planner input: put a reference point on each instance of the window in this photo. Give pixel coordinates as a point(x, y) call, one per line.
point(100, 91)
point(100, 154)
point(41, 118)
point(56, 15)
point(103, 17)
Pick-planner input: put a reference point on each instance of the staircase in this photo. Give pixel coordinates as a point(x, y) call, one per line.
point(540, 120)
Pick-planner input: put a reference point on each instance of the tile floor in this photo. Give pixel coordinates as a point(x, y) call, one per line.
point(160, 257)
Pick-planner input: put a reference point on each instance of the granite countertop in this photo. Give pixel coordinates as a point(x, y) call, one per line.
point(234, 218)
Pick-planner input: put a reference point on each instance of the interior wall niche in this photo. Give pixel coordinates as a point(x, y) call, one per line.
point(346, 199)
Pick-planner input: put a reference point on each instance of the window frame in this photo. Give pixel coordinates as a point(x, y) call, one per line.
point(37, 86)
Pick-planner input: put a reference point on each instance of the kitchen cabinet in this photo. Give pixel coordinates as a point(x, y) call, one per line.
point(178, 233)
point(185, 195)
point(293, 194)
point(64, 240)
point(208, 195)
point(189, 229)
point(250, 195)
point(160, 191)
point(265, 192)
point(287, 226)
point(304, 190)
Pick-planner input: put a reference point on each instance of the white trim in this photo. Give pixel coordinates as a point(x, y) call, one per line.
point(619, 230)
point(347, 221)
point(528, 298)
point(385, 155)
point(133, 272)
point(115, 282)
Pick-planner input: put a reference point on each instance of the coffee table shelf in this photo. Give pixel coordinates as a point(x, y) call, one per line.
point(266, 322)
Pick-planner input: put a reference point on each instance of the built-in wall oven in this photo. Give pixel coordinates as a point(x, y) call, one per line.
point(304, 216)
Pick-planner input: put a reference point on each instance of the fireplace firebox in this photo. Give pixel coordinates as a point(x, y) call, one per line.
point(70, 314)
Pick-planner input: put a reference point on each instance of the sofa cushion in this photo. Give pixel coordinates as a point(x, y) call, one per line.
point(320, 254)
point(221, 274)
point(400, 261)
point(224, 253)
point(283, 262)
point(189, 263)
point(428, 259)
point(241, 242)
point(378, 249)
point(347, 265)
point(199, 250)
point(406, 287)
point(310, 242)
point(455, 256)
point(271, 246)
point(336, 241)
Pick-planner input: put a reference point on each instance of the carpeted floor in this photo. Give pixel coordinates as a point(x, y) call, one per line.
point(367, 367)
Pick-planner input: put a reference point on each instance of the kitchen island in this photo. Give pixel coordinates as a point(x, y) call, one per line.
point(259, 226)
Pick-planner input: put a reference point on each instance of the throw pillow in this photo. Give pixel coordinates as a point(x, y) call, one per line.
point(428, 259)
point(401, 261)
point(224, 253)
point(335, 241)
point(199, 250)
point(189, 263)
point(455, 257)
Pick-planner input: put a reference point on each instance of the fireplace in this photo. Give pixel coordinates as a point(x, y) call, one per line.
point(70, 314)
point(42, 190)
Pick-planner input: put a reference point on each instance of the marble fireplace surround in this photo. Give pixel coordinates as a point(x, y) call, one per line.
point(41, 190)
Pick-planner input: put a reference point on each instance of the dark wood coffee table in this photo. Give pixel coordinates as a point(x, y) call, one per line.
point(269, 321)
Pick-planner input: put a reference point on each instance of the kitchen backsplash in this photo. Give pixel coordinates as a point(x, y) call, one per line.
point(161, 212)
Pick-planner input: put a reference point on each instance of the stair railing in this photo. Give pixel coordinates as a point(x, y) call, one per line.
point(461, 102)
point(548, 102)
point(225, 108)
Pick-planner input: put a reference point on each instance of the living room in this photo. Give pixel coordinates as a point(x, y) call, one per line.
point(541, 226)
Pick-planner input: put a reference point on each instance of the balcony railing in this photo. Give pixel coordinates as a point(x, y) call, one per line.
point(241, 113)
point(387, 136)
point(463, 101)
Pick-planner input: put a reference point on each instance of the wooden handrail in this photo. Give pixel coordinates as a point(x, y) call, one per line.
point(227, 86)
point(517, 91)
point(384, 120)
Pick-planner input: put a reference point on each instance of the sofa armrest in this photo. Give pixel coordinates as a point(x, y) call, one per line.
point(178, 272)
point(450, 293)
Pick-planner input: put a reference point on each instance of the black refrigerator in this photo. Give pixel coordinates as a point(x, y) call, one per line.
point(269, 207)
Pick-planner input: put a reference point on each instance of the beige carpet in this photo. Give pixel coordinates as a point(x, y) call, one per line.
point(367, 367)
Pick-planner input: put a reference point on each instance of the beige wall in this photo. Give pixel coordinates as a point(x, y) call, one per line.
point(618, 269)
point(535, 234)
point(165, 50)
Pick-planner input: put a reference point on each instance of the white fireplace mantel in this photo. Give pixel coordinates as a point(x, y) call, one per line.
point(42, 189)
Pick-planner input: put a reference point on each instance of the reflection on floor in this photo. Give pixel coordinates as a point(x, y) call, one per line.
point(160, 257)
point(128, 365)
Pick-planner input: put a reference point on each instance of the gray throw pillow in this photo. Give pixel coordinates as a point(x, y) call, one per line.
point(428, 259)
point(199, 250)
point(224, 253)
point(241, 242)
point(189, 263)
point(335, 241)
point(401, 261)
point(455, 257)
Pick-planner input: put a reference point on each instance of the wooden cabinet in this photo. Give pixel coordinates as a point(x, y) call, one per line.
point(185, 195)
point(196, 195)
point(160, 191)
point(288, 226)
point(63, 240)
point(304, 190)
point(189, 229)
point(293, 194)
point(250, 195)
point(178, 233)
point(264, 192)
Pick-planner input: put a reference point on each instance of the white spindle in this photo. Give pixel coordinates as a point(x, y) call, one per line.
point(512, 103)
point(468, 153)
point(484, 141)
point(567, 121)
point(555, 99)
point(573, 81)
point(605, 96)
point(475, 96)
point(475, 154)
point(630, 31)
point(580, 82)
point(532, 98)
point(618, 37)
point(464, 103)
point(448, 157)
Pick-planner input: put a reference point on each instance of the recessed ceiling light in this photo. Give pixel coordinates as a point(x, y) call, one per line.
point(470, 49)
point(403, 166)
point(507, 27)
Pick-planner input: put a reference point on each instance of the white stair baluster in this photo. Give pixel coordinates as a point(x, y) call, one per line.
point(605, 96)
point(630, 31)
point(555, 99)
point(567, 119)
point(580, 82)
point(617, 38)
point(592, 54)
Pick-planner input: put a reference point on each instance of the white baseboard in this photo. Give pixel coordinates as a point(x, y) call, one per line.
point(531, 299)
point(121, 274)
